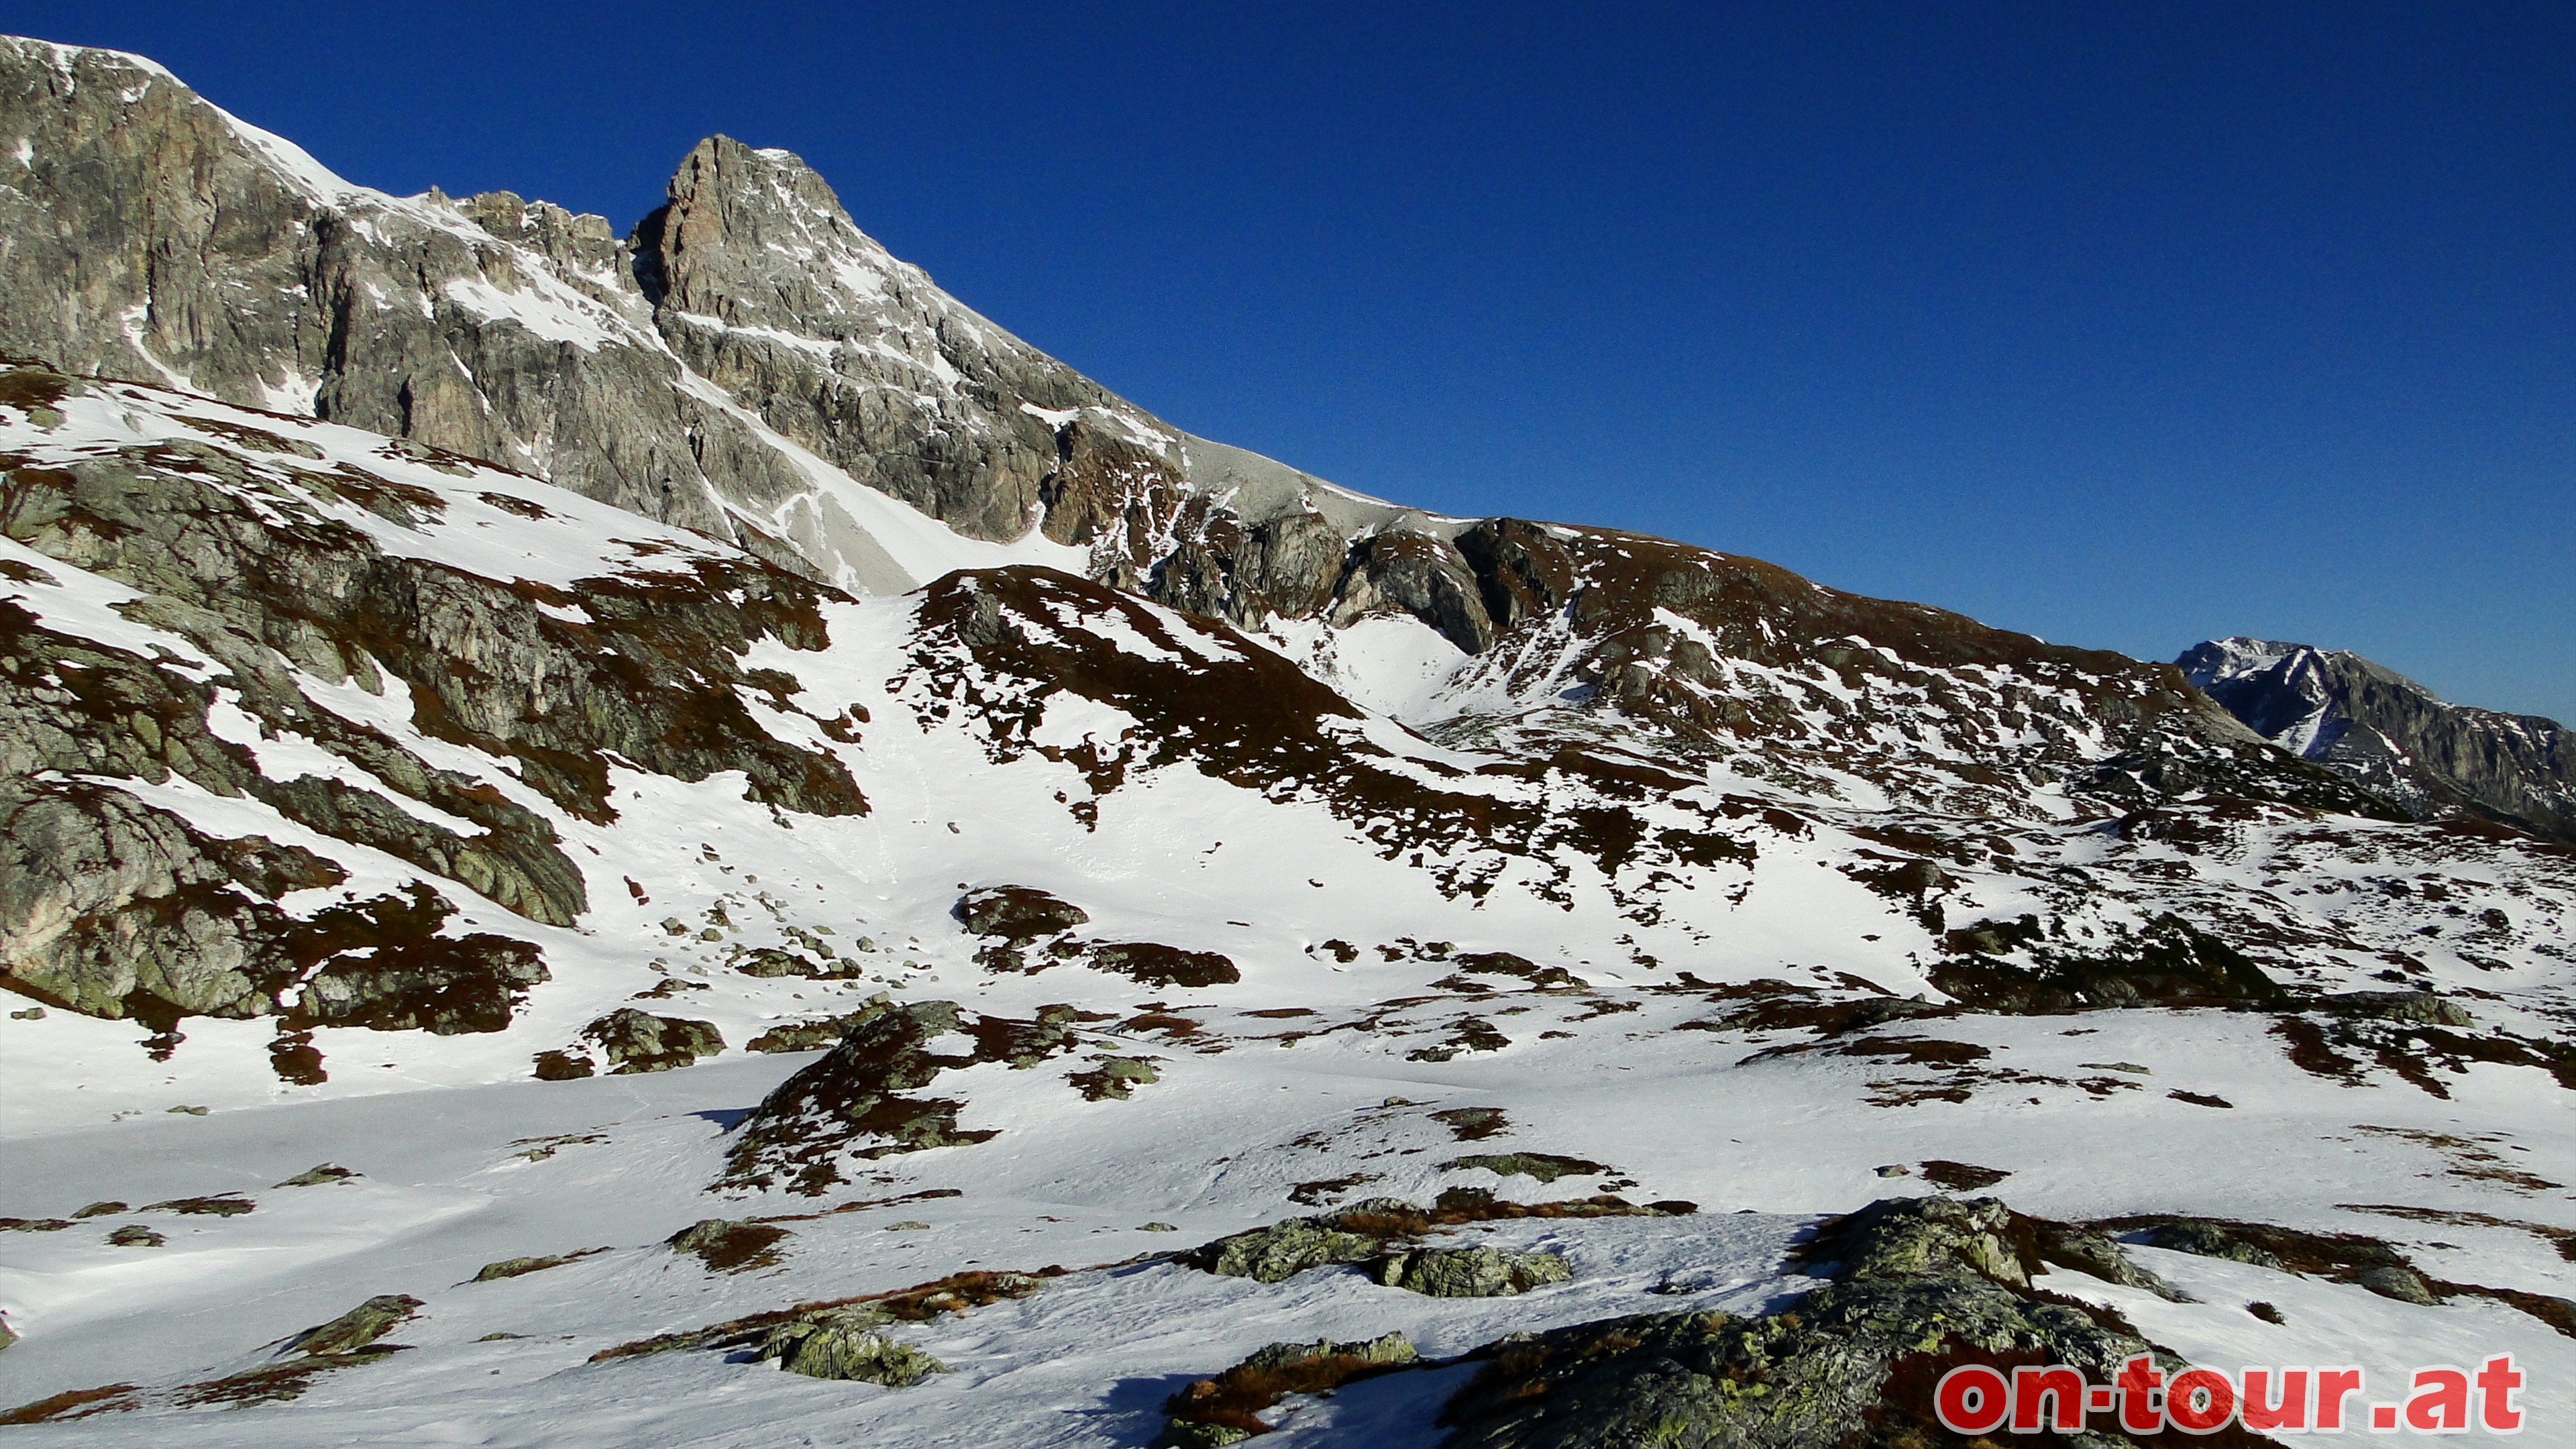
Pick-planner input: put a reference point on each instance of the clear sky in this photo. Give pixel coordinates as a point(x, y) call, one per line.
point(2124, 323)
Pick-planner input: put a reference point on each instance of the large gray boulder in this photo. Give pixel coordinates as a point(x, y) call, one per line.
point(848, 1346)
point(1478, 1272)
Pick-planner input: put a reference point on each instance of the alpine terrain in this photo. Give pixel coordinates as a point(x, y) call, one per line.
point(2436, 759)
point(684, 823)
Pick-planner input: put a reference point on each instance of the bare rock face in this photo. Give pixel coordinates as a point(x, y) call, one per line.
point(2438, 760)
point(761, 283)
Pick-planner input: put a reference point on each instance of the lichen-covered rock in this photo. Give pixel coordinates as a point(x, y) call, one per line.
point(1151, 963)
point(1019, 914)
point(323, 1175)
point(1915, 1287)
point(564, 1066)
point(727, 1246)
point(636, 1041)
point(816, 1034)
point(358, 1327)
point(2168, 962)
point(1115, 1079)
point(2403, 1284)
point(1479, 1272)
point(521, 1267)
point(849, 1345)
point(851, 1102)
point(2070, 1246)
point(1545, 1166)
point(770, 962)
point(2345, 1257)
point(1282, 1250)
point(400, 974)
point(2422, 1008)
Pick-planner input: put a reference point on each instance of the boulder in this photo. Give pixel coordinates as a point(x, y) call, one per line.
point(1284, 1249)
point(1916, 1286)
point(1115, 1079)
point(1019, 914)
point(2419, 1008)
point(848, 1346)
point(727, 1246)
point(358, 1327)
point(1154, 964)
point(636, 1041)
point(1545, 1166)
point(1478, 1272)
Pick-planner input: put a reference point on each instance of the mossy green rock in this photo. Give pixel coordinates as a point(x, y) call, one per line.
point(1479, 1272)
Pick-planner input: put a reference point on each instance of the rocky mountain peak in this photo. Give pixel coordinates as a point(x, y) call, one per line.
point(2438, 760)
point(755, 238)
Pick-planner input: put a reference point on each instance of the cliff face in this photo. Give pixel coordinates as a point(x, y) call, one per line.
point(2395, 737)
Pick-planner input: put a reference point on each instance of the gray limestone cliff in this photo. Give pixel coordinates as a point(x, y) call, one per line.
point(2438, 760)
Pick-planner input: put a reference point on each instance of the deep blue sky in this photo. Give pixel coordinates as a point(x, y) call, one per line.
point(2122, 323)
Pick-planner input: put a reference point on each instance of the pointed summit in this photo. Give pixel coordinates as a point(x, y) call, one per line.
point(754, 238)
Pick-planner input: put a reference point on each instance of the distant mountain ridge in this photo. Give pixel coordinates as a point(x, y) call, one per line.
point(2437, 759)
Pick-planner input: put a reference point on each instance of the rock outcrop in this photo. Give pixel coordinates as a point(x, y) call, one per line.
point(1914, 1287)
point(848, 1346)
point(358, 1327)
point(1479, 1272)
point(855, 1103)
point(270, 562)
point(1212, 1413)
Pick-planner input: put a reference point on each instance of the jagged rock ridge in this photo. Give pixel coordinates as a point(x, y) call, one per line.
point(2439, 760)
